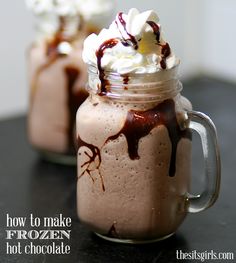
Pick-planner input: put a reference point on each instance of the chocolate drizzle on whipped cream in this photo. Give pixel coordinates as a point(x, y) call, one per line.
point(165, 48)
point(156, 30)
point(131, 41)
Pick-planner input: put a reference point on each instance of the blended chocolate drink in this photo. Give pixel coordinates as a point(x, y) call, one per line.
point(57, 73)
point(134, 147)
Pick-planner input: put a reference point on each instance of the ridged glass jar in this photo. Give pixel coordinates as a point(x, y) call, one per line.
point(134, 156)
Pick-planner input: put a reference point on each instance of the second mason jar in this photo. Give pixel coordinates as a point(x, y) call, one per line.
point(57, 78)
point(58, 75)
point(134, 156)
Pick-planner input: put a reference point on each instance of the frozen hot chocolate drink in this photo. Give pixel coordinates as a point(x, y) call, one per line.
point(134, 142)
point(57, 74)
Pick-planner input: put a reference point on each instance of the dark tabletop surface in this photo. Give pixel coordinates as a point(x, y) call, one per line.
point(31, 185)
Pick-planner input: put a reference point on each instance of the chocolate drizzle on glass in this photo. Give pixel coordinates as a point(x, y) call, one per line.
point(112, 231)
point(165, 52)
point(110, 43)
point(52, 52)
point(139, 124)
point(94, 156)
point(126, 79)
point(75, 99)
point(71, 75)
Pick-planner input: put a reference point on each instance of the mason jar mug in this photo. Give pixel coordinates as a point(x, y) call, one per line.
point(134, 156)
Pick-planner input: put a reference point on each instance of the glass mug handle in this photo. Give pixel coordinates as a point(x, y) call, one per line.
point(205, 127)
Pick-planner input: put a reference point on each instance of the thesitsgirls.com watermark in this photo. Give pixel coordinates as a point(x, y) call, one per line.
point(204, 255)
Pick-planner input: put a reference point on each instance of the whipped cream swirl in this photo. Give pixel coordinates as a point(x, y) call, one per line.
point(95, 13)
point(133, 43)
point(86, 8)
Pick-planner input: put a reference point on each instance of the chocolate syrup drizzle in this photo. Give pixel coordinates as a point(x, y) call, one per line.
point(71, 75)
point(95, 154)
point(156, 30)
point(131, 40)
point(139, 124)
point(165, 52)
point(126, 79)
point(110, 43)
point(74, 102)
point(52, 52)
point(112, 231)
point(165, 48)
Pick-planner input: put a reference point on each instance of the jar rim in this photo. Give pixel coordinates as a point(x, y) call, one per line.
point(136, 87)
